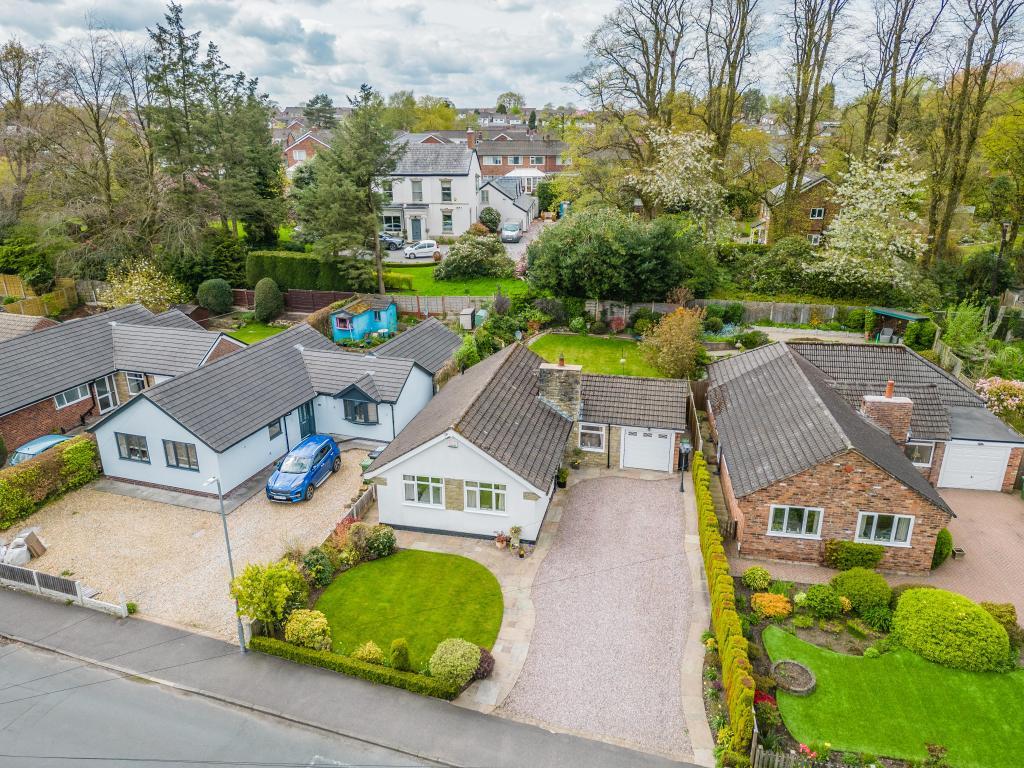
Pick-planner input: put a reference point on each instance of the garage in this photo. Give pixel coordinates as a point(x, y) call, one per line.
point(647, 448)
point(977, 466)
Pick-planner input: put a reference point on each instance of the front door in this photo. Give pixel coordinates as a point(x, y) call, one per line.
point(106, 393)
point(307, 423)
point(417, 228)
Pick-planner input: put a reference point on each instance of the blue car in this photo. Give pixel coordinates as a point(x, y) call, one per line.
point(33, 448)
point(303, 469)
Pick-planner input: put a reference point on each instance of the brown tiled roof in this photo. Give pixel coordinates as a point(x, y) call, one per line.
point(635, 401)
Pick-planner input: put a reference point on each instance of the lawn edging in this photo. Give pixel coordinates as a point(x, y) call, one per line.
point(374, 673)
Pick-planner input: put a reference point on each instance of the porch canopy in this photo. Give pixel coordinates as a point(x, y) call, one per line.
point(891, 324)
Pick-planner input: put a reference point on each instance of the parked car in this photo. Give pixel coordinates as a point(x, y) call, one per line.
point(511, 232)
point(423, 248)
point(304, 469)
point(390, 241)
point(33, 448)
point(365, 463)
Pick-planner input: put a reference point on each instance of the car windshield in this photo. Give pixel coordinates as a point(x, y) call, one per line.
point(511, 227)
point(295, 465)
point(17, 458)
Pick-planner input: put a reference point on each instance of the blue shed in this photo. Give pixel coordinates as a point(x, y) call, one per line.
point(362, 315)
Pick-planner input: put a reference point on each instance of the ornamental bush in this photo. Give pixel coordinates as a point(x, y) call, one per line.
point(267, 593)
point(950, 630)
point(369, 653)
point(771, 606)
point(319, 567)
point(878, 617)
point(381, 541)
point(490, 218)
point(943, 548)
point(1006, 615)
point(215, 295)
point(865, 589)
point(756, 578)
point(400, 655)
point(899, 589)
point(844, 555)
point(473, 257)
point(454, 661)
point(308, 629)
point(267, 301)
point(27, 486)
point(578, 325)
point(822, 601)
point(486, 665)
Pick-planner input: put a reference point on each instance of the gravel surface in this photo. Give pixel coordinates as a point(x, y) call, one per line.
point(171, 560)
point(611, 604)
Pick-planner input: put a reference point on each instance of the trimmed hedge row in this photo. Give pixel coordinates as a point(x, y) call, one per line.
point(410, 681)
point(27, 486)
point(290, 269)
point(737, 672)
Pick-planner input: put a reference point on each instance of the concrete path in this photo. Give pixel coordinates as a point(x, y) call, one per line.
point(379, 715)
point(789, 334)
point(232, 501)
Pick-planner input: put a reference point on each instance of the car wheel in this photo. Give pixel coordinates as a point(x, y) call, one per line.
point(336, 465)
point(392, 247)
point(310, 490)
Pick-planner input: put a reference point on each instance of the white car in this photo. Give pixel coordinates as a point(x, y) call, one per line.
point(423, 248)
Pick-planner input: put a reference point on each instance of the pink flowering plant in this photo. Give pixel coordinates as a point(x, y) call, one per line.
point(1004, 397)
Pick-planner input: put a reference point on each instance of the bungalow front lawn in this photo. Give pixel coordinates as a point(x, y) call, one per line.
point(252, 332)
point(424, 284)
point(596, 354)
point(425, 597)
point(896, 703)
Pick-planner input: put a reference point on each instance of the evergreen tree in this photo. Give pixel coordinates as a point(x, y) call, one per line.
point(319, 112)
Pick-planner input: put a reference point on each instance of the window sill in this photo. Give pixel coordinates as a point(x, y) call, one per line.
point(363, 423)
point(895, 544)
point(135, 461)
point(592, 450)
point(806, 536)
point(486, 512)
point(183, 469)
point(922, 466)
point(422, 505)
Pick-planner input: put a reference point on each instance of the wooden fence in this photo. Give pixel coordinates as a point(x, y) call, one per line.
point(12, 285)
point(64, 296)
point(777, 312)
point(950, 361)
point(762, 758)
point(295, 300)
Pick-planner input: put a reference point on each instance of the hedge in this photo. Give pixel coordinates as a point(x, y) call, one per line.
point(27, 486)
point(308, 271)
point(737, 672)
point(410, 681)
point(844, 555)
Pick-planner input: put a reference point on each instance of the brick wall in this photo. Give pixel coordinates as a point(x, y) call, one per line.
point(843, 487)
point(932, 472)
point(1012, 470)
point(819, 196)
point(890, 413)
point(222, 348)
point(609, 457)
point(42, 418)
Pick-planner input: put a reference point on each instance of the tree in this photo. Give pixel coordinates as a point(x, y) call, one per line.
point(473, 256)
point(434, 113)
point(673, 345)
point(682, 177)
point(319, 112)
point(546, 195)
point(532, 122)
point(266, 593)
point(1003, 146)
point(400, 113)
point(267, 300)
point(490, 218)
point(139, 282)
point(509, 101)
point(215, 295)
point(753, 105)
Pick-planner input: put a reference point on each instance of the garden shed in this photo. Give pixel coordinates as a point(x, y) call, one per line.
point(890, 325)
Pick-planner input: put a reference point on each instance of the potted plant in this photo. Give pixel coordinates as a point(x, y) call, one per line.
point(522, 551)
point(575, 458)
point(501, 540)
point(515, 532)
point(563, 477)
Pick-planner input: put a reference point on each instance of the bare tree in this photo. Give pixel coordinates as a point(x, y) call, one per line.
point(726, 27)
point(811, 28)
point(984, 34)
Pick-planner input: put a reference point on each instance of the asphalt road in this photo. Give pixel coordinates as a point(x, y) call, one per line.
point(56, 713)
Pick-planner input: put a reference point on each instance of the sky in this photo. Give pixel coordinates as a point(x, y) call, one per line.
point(467, 51)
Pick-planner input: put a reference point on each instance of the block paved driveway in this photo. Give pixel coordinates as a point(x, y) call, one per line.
point(611, 601)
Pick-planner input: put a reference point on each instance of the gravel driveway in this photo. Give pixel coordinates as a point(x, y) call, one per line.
point(171, 560)
point(611, 603)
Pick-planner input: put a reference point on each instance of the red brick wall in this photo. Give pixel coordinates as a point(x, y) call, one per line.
point(932, 472)
point(550, 165)
point(890, 413)
point(311, 145)
point(40, 419)
point(843, 487)
point(1012, 470)
point(222, 348)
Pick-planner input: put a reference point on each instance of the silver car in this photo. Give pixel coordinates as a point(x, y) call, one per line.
point(511, 232)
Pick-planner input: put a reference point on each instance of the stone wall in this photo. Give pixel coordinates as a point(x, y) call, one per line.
point(609, 457)
point(454, 494)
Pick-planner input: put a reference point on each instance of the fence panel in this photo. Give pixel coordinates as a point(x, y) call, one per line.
point(27, 580)
point(363, 502)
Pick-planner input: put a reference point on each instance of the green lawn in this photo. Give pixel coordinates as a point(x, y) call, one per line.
point(893, 705)
point(596, 354)
point(423, 283)
point(252, 332)
point(425, 597)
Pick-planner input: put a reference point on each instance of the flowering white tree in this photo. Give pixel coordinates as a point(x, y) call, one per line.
point(682, 175)
point(140, 282)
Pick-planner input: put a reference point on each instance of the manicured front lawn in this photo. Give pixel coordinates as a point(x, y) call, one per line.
point(252, 332)
point(596, 354)
point(894, 704)
point(423, 283)
point(425, 597)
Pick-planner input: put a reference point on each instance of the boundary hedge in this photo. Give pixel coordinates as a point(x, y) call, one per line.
point(410, 681)
point(27, 486)
point(292, 269)
point(737, 672)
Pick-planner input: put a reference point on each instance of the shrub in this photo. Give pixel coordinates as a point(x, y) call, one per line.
point(713, 324)
point(1006, 615)
point(27, 486)
point(752, 339)
point(899, 589)
point(950, 630)
point(803, 621)
point(348, 557)
point(599, 327)
point(490, 218)
point(397, 281)
point(617, 324)
point(845, 604)
point(823, 601)
point(346, 665)
point(643, 326)
point(358, 535)
point(478, 229)
point(400, 655)
point(943, 547)
point(308, 629)
point(864, 588)
point(878, 617)
point(267, 593)
point(467, 355)
point(370, 653)
point(771, 606)
point(733, 313)
point(486, 665)
point(381, 541)
point(310, 271)
point(578, 325)
point(844, 555)
point(268, 301)
point(319, 567)
point(215, 295)
point(454, 662)
point(871, 652)
point(473, 257)
point(756, 578)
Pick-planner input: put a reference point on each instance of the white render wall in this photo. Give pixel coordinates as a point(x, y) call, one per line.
point(504, 206)
point(463, 462)
point(463, 206)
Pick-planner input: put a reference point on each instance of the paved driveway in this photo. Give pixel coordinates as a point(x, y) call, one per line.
point(611, 602)
point(171, 560)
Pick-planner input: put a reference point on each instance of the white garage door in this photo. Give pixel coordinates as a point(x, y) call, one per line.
point(969, 465)
point(646, 449)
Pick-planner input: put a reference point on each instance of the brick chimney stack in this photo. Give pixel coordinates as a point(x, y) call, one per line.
point(889, 412)
point(560, 387)
point(470, 138)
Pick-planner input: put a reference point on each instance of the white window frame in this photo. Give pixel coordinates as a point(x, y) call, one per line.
point(925, 444)
point(392, 227)
point(135, 381)
point(298, 155)
point(514, 159)
point(493, 160)
point(446, 190)
point(447, 223)
point(814, 238)
point(593, 429)
point(417, 190)
point(471, 498)
point(71, 396)
point(485, 196)
point(388, 190)
point(413, 481)
point(785, 533)
point(895, 527)
point(537, 160)
point(817, 213)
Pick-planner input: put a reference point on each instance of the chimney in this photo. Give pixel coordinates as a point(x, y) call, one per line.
point(889, 412)
point(560, 386)
point(470, 138)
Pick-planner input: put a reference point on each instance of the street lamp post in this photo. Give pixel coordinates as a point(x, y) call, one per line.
point(231, 564)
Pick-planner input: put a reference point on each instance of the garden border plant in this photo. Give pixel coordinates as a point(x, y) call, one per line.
point(30, 485)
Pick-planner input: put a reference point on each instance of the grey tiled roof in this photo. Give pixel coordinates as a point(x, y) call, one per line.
point(524, 148)
point(635, 401)
point(174, 318)
point(509, 187)
point(525, 202)
point(434, 160)
point(495, 405)
point(810, 179)
point(12, 325)
point(430, 343)
point(170, 351)
point(333, 371)
point(929, 420)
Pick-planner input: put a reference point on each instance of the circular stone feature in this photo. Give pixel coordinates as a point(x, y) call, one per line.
point(793, 677)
